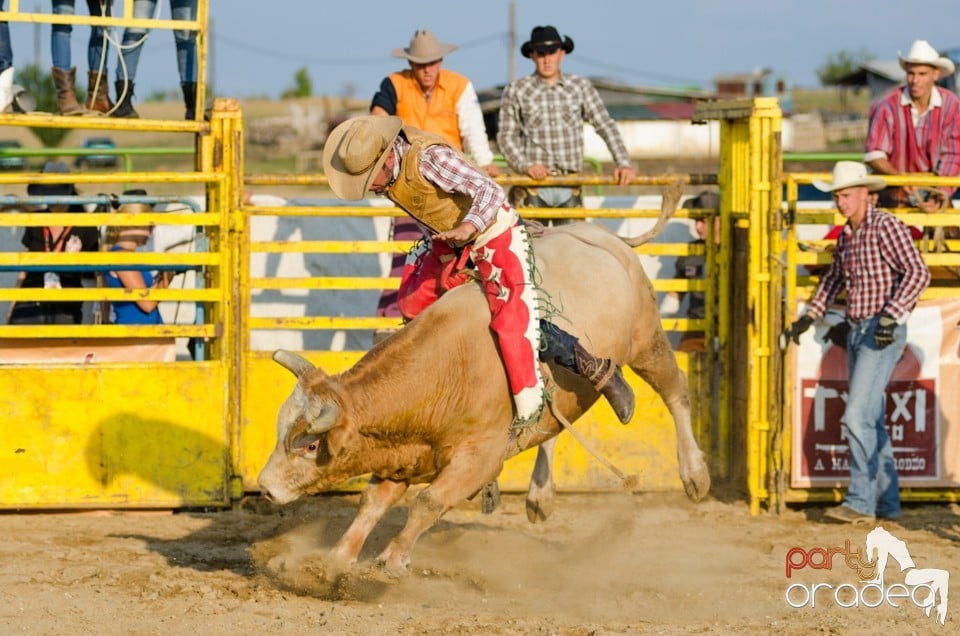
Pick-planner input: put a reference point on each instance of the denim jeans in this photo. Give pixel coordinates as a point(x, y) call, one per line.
point(60, 35)
point(874, 487)
point(186, 41)
point(6, 51)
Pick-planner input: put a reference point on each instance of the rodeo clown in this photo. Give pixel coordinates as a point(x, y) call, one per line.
point(470, 223)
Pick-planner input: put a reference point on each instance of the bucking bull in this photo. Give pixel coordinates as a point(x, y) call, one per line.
point(431, 404)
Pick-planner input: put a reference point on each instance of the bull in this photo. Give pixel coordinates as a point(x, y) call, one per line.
point(431, 404)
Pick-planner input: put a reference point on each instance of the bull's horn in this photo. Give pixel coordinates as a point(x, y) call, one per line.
point(321, 416)
point(671, 197)
point(297, 365)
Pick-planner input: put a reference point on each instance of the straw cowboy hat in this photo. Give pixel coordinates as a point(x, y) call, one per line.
point(137, 233)
point(545, 39)
point(850, 174)
point(355, 151)
point(922, 53)
point(424, 48)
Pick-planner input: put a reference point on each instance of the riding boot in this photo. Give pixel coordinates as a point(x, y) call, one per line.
point(124, 107)
point(65, 81)
point(607, 378)
point(98, 94)
point(190, 100)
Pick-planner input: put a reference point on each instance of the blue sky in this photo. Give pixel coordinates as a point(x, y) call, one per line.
point(258, 45)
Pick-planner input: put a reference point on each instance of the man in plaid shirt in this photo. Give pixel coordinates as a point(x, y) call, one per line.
point(883, 273)
point(541, 122)
point(466, 219)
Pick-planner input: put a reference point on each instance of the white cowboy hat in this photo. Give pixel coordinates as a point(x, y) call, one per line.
point(355, 151)
point(922, 53)
point(850, 174)
point(424, 48)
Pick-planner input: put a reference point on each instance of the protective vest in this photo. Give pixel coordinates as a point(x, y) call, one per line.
point(438, 115)
point(438, 210)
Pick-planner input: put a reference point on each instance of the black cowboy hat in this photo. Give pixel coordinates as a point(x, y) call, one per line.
point(52, 189)
point(545, 39)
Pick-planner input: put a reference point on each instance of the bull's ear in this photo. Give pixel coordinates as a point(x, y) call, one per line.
point(297, 365)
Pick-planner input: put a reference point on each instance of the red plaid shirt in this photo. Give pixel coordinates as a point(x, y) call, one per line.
point(878, 265)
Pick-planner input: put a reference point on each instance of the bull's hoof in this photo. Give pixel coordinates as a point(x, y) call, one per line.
point(393, 563)
point(538, 511)
point(490, 497)
point(697, 483)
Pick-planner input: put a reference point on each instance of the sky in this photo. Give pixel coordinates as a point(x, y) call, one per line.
point(257, 46)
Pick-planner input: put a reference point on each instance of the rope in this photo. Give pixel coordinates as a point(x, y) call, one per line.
point(629, 482)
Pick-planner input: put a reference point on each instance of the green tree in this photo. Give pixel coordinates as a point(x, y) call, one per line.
point(302, 85)
point(841, 64)
point(40, 84)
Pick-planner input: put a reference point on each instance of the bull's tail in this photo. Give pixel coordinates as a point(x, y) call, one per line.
point(671, 197)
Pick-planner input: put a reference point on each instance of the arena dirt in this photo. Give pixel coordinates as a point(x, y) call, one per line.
point(602, 564)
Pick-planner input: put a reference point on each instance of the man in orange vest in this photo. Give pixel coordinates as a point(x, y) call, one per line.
point(438, 101)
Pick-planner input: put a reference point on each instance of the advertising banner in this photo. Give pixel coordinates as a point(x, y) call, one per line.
point(922, 402)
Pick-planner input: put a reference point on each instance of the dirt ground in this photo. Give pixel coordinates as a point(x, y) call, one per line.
point(602, 564)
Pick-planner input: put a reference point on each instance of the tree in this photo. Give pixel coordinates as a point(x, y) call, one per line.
point(841, 64)
point(302, 85)
point(40, 85)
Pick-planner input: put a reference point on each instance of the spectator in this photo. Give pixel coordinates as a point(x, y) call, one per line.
point(916, 129)
point(54, 238)
point(692, 266)
point(132, 44)
point(540, 127)
point(438, 101)
point(128, 239)
point(879, 266)
point(64, 73)
point(469, 219)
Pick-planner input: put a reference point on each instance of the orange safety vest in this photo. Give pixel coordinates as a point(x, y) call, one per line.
point(438, 115)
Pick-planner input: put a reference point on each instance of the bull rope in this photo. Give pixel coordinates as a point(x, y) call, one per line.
point(628, 482)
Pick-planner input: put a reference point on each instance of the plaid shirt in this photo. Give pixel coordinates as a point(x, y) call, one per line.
point(878, 265)
point(540, 123)
point(447, 169)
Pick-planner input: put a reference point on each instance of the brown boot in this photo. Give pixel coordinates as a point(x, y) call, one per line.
point(98, 95)
point(607, 378)
point(67, 103)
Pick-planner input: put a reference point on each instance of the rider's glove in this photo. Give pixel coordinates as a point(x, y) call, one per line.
point(802, 324)
point(883, 334)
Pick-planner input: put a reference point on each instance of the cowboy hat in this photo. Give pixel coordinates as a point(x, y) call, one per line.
point(424, 48)
point(355, 151)
point(52, 189)
point(545, 39)
point(922, 53)
point(850, 174)
point(137, 233)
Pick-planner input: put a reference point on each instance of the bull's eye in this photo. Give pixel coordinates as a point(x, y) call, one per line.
point(306, 445)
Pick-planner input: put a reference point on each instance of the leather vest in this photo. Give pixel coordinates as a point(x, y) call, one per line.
point(438, 210)
point(438, 115)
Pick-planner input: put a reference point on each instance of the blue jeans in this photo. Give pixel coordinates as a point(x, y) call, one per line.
point(60, 35)
point(6, 51)
point(186, 41)
point(874, 487)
